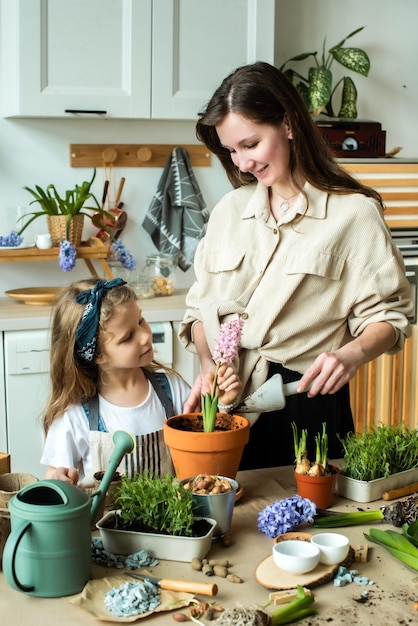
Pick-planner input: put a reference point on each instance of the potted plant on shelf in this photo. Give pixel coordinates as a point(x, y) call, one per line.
point(317, 90)
point(212, 441)
point(65, 215)
point(377, 460)
point(155, 513)
point(314, 480)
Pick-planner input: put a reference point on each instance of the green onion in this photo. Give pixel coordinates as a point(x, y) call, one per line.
point(297, 609)
point(395, 543)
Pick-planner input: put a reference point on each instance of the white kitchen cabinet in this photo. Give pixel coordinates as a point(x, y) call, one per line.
point(158, 59)
point(196, 43)
point(61, 55)
point(26, 375)
point(3, 428)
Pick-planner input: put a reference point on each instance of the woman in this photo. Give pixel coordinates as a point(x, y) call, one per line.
point(301, 251)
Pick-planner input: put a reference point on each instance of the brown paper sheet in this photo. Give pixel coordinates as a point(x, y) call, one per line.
point(91, 599)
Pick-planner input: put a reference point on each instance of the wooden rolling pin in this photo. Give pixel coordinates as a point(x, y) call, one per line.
point(401, 491)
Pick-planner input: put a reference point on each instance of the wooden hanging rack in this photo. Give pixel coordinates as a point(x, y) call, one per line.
point(134, 155)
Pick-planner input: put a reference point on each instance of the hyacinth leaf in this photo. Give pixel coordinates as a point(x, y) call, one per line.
point(352, 58)
point(410, 531)
point(349, 99)
point(320, 85)
point(395, 543)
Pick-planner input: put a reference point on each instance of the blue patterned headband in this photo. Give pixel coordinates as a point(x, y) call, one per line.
point(86, 333)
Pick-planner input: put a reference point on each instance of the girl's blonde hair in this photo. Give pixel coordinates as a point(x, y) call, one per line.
point(73, 380)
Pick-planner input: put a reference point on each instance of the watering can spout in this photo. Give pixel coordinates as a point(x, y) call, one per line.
point(124, 443)
point(271, 396)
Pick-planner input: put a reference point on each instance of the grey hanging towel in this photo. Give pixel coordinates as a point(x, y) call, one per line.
point(177, 216)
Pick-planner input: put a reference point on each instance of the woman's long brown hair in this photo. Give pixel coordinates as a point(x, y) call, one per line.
point(263, 94)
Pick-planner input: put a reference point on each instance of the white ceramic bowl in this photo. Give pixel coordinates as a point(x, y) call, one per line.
point(295, 556)
point(332, 546)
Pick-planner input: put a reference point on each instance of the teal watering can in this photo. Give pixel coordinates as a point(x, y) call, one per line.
point(48, 552)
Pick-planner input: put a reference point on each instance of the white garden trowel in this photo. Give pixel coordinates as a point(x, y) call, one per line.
point(271, 396)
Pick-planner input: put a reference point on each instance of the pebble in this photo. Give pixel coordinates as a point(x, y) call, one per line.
point(100, 556)
point(345, 576)
point(132, 599)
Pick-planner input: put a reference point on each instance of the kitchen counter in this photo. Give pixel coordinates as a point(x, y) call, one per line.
point(389, 600)
point(15, 315)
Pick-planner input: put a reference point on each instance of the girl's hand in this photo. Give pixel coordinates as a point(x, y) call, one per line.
point(229, 384)
point(66, 474)
point(201, 385)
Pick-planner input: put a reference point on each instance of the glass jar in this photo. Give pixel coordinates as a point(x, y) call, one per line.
point(119, 271)
point(160, 268)
point(143, 286)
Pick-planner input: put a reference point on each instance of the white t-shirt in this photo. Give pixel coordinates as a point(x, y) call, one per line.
point(67, 442)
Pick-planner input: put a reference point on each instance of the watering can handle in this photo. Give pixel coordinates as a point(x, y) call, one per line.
point(9, 556)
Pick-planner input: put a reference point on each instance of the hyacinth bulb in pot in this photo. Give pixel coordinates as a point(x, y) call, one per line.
point(315, 480)
point(211, 441)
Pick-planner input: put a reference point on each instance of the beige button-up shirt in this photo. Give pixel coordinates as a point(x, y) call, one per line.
point(303, 286)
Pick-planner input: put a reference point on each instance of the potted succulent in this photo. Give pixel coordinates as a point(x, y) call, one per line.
point(155, 513)
point(212, 441)
point(379, 459)
point(317, 89)
point(315, 480)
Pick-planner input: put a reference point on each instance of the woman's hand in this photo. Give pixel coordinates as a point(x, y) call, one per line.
point(66, 474)
point(331, 370)
point(228, 388)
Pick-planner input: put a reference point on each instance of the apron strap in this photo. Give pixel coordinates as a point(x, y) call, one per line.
point(163, 390)
point(161, 386)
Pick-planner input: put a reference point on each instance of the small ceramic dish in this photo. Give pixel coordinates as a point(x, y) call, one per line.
point(296, 557)
point(333, 547)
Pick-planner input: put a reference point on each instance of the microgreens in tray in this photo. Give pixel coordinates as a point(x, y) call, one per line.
point(379, 452)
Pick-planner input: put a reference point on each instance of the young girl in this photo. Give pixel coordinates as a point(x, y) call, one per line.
point(104, 378)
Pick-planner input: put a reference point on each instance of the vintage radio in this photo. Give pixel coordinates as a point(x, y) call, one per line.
point(350, 138)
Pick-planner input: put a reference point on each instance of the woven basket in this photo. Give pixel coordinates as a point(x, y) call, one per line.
point(10, 484)
point(57, 228)
point(5, 530)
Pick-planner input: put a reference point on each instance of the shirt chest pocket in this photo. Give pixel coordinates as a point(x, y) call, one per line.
point(221, 261)
point(316, 263)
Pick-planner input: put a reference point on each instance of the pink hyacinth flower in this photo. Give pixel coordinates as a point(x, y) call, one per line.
point(228, 341)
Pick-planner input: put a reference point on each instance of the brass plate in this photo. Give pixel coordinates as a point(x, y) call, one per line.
point(34, 295)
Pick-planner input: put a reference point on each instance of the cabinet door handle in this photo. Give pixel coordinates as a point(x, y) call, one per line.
point(85, 111)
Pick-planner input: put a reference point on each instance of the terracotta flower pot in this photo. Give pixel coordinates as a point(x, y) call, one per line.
point(318, 489)
point(196, 452)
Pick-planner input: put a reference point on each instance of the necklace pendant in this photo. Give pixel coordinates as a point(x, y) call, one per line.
point(284, 206)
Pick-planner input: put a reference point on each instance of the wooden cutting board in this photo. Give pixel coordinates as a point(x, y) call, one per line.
point(270, 576)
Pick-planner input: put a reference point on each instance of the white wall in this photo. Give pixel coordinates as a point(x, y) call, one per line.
point(389, 94)
point(37, 151)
